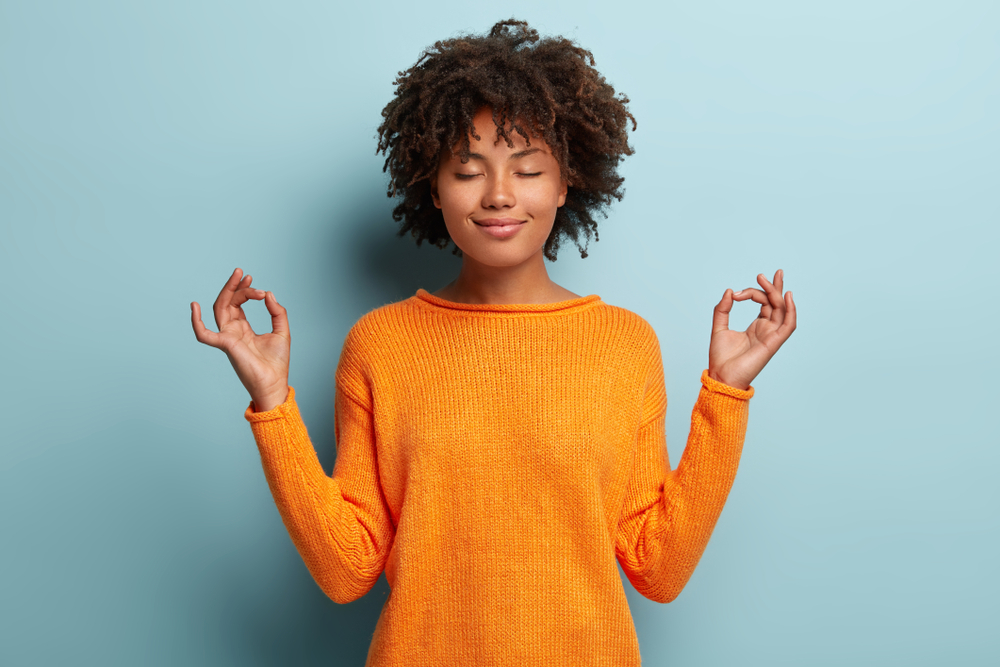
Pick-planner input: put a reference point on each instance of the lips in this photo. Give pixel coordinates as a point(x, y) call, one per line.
point(500, 228)
point(497, 222)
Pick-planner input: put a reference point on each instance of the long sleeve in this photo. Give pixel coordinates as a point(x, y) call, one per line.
point(669, 515)
point(340, 525)
point(498, 462)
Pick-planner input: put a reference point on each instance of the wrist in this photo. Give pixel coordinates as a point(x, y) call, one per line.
point(270, 400)
point(729, 382)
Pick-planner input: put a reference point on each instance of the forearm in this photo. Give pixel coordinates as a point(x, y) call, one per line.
point(674, 531)
point(341, 556)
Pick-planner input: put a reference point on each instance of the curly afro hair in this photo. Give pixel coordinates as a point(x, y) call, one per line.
point(546, 88)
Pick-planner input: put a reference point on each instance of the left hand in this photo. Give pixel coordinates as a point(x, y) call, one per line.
point(736, 357)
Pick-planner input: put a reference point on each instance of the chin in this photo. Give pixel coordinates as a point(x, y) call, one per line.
point(501, 256)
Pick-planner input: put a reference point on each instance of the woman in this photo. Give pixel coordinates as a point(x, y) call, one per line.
point(501, 440)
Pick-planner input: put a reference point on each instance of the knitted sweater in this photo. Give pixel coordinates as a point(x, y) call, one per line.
point(494, 461)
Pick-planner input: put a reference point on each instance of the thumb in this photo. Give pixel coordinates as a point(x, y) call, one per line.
point(720, 319)
point(279, 316)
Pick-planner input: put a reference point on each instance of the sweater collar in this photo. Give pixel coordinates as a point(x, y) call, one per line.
point(557, 306)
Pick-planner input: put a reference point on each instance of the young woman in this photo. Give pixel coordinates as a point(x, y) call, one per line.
point(500, 442)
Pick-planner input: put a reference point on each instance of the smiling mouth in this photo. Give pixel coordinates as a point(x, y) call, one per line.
point(498, 222)
point(500, 228)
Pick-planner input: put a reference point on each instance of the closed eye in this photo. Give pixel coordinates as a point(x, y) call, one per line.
point(537, 173)
point(465, 177)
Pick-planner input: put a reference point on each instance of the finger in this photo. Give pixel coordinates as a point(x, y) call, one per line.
point(279, 316)
point(720, 319)
point(773, 295)
point(788, 326)
point(241, 296)
point(777, 315)
point(779, 285)
point(242, 285)
point(221, 305)
point(755, 295)
point(200, 331)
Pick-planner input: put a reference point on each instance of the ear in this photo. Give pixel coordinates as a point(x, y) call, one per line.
point(434, 191)
point(564, 188)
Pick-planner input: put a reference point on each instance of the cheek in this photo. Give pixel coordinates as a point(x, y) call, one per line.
point(454, 196)
point(456, 207)
point(453, 205)
point(544, 200)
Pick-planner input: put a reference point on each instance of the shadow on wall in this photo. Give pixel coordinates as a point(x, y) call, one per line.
point(392, 267)
point(145, 544)
point(380, 268)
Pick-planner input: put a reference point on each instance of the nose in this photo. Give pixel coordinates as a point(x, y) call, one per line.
point(499, 192)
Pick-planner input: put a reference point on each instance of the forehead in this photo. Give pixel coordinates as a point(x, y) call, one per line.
point(491, 143)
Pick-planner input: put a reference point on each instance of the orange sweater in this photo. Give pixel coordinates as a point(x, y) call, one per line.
point(494, 461)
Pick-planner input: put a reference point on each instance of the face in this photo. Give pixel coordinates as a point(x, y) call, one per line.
point(500, 206)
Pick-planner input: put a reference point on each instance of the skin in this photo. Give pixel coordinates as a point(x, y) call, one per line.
point(522, 182)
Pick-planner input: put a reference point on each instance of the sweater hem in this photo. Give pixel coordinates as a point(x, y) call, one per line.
point(722, 388)
point(277, 412)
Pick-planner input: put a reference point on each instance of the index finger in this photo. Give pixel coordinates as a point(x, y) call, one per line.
point(225, 297)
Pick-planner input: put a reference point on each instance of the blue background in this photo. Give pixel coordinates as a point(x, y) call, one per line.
point(147, 150)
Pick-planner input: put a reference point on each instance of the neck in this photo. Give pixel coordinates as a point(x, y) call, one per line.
point(479, 283)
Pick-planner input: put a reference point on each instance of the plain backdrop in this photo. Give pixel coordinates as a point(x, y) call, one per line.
point(148, 149)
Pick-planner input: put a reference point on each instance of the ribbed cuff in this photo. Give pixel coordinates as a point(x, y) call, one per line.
point(277, 412)
point(719, 387)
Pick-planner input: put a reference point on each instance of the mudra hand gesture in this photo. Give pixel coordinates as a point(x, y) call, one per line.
point(260, 361)
point(736, 357)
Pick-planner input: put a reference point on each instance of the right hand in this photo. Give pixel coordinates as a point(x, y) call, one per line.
point(260, 361)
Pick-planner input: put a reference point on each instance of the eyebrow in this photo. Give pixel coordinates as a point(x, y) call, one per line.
point(516, 156)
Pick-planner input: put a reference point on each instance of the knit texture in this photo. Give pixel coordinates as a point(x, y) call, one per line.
point(494, 461)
